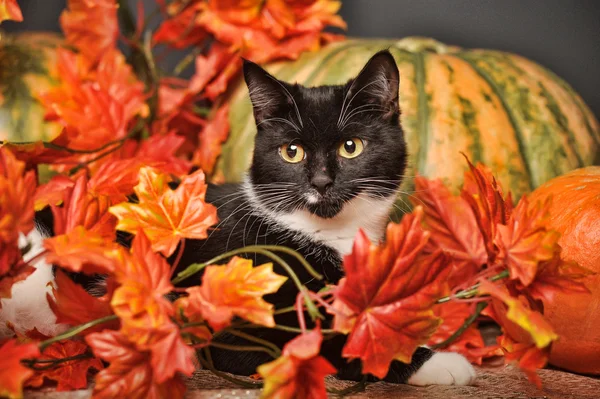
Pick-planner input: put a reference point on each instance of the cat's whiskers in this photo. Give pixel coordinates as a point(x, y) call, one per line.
point(345, 106)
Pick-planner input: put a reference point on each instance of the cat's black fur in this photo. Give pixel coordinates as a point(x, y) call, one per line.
point(320, 119)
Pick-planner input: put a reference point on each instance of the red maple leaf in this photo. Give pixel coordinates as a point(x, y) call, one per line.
point(299, 372)
point(525, 241)
point(470, 342)
point(12, 372)
point(453, 228)
point(73, 205)
point(234, 289)
point(485, 197)
point(73, 305)
point(386, 299)
point(167, 215)
point(211, 138)
point(527, 356)
point(69, 375)
point(130, 373)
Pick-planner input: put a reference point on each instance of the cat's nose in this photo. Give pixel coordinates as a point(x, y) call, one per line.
point(321, 182)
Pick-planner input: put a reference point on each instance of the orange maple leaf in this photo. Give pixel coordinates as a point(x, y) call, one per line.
point(91, 26)
point(146, 314)
point(9, 10)
point(234, 289)
point(82, 250)
point(12, 268)
point(12, 373)
point(17, 188)
point(73, 305)
point(130, 374)
point(525, 240)
point(69, 375)
point(167, 215)
point(299, 372)
point(397, 287)
point(95, 102)
point(453, 227)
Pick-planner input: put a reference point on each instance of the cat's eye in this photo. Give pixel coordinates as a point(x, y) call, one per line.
point(292, 153)
point(351, 148)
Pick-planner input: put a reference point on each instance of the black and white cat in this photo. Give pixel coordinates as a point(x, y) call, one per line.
point(327, 162)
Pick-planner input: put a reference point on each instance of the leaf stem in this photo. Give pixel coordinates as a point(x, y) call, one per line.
point(470, 292)
point(244, 348)
point(257, 340)
point(76, 330)
point(208, 364)
point(470, 320)
point(178, 258)
point(31, 363)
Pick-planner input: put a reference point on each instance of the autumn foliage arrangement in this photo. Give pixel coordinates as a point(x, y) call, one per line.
point(130, 127)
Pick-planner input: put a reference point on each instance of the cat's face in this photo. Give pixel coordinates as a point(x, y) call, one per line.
point(318, 148)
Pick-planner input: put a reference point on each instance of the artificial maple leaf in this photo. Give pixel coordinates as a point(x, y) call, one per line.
point(193, 328)
point(117, 177)
point(556, 275)
point(145, 313)
point(95, 102)
point(167, 215)
point(69, 375)
point(73, 305)
point(91, 26)
point(525, 240)
point(470, 342)
point(9, 10)
point(299, 372)
point(234, 290)
point(40, 152)
point(211, 138)
point(12, 268)
point(130, 374)
point(397, 287)
point(485, 197)
point(12, 373)
point(519, 312)
point(528, 357)
point(17, 188)
point(78, 207)
point(82, 250)
point(180, 31)
point(144, 281)
point(453, 227)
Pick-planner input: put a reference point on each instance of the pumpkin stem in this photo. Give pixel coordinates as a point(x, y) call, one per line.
point(418, 44)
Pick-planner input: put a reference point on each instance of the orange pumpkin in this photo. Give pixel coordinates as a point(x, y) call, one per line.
point(575, 213)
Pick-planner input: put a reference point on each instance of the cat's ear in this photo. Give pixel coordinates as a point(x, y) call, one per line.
point(377, 84)
point(267, 94)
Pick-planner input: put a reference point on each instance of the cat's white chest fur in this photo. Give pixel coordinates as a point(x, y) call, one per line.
point(362, 212)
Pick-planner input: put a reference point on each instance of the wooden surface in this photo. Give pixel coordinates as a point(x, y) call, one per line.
point(497, 383)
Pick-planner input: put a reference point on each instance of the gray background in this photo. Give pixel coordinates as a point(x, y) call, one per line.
point(563, 35)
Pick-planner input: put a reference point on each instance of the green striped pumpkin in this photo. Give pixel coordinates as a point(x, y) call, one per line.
point(25, 63)
point(517, 117)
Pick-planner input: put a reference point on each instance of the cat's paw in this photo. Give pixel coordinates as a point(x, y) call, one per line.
point(444, 368)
